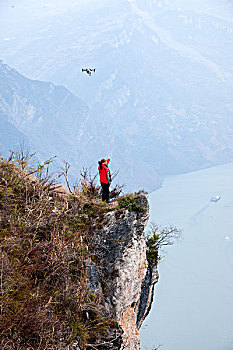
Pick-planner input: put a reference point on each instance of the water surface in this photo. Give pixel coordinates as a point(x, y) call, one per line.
point(193, 303)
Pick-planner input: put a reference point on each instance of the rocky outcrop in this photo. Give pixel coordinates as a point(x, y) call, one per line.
point(82, 266)
point(126, 279)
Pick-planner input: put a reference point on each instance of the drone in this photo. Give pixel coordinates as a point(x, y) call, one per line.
point(88, 70)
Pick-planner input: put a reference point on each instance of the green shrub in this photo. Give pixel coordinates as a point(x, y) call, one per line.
point(157, 239)
point(130, 202)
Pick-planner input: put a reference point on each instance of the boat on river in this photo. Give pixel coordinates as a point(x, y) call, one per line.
point(215, 199)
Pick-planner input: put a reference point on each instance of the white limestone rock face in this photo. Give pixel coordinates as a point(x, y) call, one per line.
point(128, 278)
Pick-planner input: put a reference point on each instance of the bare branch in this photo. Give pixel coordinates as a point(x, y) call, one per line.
point(159, 238)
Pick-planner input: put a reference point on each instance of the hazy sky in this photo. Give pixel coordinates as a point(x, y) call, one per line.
point(23, 13)
point(9, 8)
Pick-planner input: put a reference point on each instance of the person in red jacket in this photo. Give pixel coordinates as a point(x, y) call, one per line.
point(105, 178)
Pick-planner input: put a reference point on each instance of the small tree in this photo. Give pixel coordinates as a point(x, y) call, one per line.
point(159, 238)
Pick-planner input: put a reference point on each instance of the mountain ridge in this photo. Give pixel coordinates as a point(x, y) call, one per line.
point(162, 91)
point(54, 122)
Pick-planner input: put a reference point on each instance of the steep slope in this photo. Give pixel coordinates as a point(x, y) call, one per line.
point(11, 137)
point(163, 85)
point(57, 123)
point(46, 118)
point(46, 114)
point(128, 278)
point(74, 271)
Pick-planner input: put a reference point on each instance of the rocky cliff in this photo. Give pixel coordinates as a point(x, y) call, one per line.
point(129, 280)
point(74, 270)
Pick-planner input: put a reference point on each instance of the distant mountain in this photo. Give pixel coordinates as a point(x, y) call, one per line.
point(46, 117)
point(10, 137)
point(53, 122)
point(163, 86)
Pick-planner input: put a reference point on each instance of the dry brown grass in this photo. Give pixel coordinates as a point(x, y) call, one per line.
point(46, 241)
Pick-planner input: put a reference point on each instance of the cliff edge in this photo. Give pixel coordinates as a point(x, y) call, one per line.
point(74, 271)
point(128, 278)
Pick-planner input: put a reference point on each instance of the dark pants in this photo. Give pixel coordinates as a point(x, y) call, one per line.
point(105, 192)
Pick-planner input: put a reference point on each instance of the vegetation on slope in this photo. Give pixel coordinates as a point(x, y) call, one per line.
point(48, 239)
point(157, 239)
point(46, 243)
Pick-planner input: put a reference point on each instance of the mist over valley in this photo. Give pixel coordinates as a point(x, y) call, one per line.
point(160, 101)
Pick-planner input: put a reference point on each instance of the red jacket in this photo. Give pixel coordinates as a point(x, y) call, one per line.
point(105, 174)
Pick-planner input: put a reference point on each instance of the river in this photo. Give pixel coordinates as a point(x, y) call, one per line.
point(193, 302)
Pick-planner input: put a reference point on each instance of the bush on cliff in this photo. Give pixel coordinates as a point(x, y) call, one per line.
point(157, 239)
point(130, 202)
